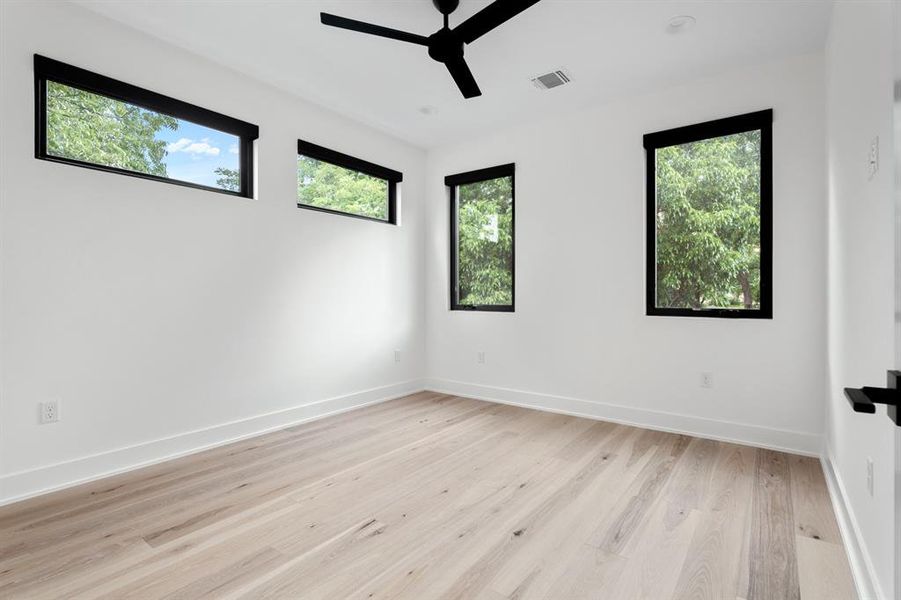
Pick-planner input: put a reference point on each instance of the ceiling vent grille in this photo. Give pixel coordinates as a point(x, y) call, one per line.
point(552, 79)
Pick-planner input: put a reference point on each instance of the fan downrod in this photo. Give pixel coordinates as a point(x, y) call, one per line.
point(446, 7)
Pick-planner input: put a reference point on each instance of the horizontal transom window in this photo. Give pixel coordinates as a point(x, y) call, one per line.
point(94, 121)
point(333, 182)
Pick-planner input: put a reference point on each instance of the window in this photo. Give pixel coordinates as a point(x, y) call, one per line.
point(709, 228)
point(337, 183)
point(481, 237)
point(89, 120)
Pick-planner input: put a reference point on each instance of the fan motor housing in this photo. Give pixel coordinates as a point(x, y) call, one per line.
point(444, 45)
point(446, 7)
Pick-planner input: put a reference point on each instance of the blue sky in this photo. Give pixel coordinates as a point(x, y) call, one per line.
point(195, 152)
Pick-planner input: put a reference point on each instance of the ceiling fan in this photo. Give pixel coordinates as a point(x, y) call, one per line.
point(446, 44)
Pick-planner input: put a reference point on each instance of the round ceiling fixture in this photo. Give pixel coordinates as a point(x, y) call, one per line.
point(680, 23)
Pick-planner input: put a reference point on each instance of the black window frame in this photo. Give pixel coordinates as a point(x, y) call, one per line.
point(452, 181)
point(48, 69)
point(755, 121)
point(346, 161)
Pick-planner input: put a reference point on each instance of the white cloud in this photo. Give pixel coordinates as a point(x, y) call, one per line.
point(191, 147)
point(179, 145)
point(233, 149)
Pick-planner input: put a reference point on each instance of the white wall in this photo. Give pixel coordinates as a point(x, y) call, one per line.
point(152, 310)
point(579, 340)
point(861, 263)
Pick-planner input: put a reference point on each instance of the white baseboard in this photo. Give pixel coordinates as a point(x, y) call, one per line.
point(797, 442)
point(861, 566)
point(33, 482)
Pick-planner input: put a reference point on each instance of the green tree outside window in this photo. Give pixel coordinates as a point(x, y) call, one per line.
point(485, 242)
point(329, 186)
point(708, 223)
point(97, 129)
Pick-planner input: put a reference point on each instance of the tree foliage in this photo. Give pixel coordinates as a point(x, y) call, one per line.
point(329, 186)
point(228, 179)
point(96, 129)
point(708, 223)
point(485, 242)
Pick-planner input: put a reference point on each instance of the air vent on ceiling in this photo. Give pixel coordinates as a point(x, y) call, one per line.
point(552, 79)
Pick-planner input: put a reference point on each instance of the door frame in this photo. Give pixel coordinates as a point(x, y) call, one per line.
point(896, 176)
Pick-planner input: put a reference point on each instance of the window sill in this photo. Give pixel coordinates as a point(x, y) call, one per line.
point(711, 313)
point(482, 308)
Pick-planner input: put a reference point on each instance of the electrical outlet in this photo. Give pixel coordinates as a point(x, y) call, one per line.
point(873, 158)
point(397, 356)
point(480, 358)
point(706, 380)
point(49, 411)
point(870, 475)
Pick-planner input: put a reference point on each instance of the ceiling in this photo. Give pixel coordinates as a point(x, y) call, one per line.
point(611, 47)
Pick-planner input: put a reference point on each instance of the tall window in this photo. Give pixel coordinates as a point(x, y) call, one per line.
point(89, 120)
point(337, 183)
point(709, 228)
point(481, 234)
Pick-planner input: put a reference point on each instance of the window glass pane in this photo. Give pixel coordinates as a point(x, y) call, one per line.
point(100, 130)
point(324, 185)
point(708, 223)
point(485, 242)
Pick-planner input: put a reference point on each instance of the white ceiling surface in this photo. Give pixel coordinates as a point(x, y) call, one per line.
point(611, 47)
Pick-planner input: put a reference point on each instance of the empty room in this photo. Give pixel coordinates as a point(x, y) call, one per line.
point(450, 299)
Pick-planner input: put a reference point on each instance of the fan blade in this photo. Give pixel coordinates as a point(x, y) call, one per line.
point(387, 32)
point(459, 70)
point(496, 13)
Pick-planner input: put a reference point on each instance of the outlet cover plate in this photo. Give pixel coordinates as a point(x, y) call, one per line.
point(49, 412)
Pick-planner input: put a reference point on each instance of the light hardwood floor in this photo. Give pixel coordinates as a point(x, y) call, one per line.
point(433, 496)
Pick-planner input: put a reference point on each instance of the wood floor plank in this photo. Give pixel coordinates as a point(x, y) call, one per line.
point(635, 504)
point(587, 575)
point(773, 560)
point(824, 570)
point(118, 577)
point(655, 562)
point(689, 484)
point(713, 566)
point(436, 496)
point(560, 547)
point(811, 508)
